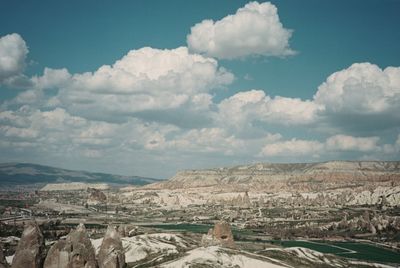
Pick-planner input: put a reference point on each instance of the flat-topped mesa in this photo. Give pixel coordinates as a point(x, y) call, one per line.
point(31, 249)
point(75, 251)
point(220, 235)
point(291, 177)
point(111, 253)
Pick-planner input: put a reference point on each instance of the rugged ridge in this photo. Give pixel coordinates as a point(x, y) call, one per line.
point(291, 177)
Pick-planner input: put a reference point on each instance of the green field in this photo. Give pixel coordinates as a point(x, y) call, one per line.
point(368, 252)
point(321, 247)
point(16, 203)
point(196, 228)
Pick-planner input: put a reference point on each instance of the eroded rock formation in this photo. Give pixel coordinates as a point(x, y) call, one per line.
point(74, 252)
point(111, 253)
point(96, 195)
point(3, 262)
point(220, 235)
point(127, 230)
point(31, 249)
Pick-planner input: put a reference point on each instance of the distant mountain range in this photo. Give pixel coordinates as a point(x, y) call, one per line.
point(24, 173)
point(287, 177)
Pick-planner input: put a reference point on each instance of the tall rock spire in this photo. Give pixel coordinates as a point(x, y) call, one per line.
point(31, 249)
point(75, 252)
point(111, 253)
point(3, 262)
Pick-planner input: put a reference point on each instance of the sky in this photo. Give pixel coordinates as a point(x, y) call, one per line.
point(152, 87)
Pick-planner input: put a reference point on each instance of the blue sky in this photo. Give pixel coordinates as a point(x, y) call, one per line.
point(255, 99)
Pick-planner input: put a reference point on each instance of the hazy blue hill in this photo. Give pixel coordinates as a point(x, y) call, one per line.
point(24, 173)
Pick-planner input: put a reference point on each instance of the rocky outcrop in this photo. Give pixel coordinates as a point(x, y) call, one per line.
point(127, 230)
point(31, 249)
point(76, 251)
point(58, 256)
point(222, 231)
point(291, 177)
point(177, 202)
point(240, 201)
point(3, 262)
point(246, 199)
point(220, 235)
point(380, 196)
point(96, 196)
point(111, 253)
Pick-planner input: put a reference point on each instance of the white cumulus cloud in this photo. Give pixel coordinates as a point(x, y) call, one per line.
point(157, 106)
point(254, 29)
point(51, 78)
point(361, 89)
point(314, 148)
point(350, 143)
point(207, 140)
point(293, 147)
point(13, 51)
point(146, 82)
point(245, 107)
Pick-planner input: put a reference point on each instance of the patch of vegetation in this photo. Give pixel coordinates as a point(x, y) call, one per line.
point(369, 252)
point(17, 203)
